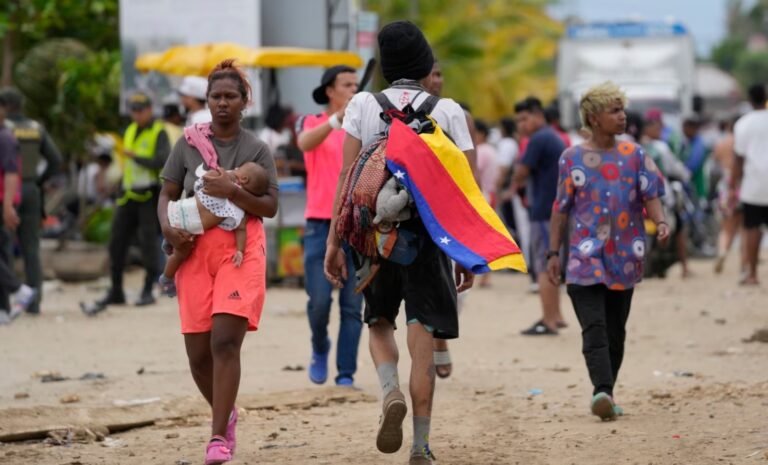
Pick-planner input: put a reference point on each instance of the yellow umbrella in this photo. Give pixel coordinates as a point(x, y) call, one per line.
point(199, 60)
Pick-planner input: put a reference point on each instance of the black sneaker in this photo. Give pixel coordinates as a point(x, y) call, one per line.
point(539, 329)
point(112, 298)
point(146, 299)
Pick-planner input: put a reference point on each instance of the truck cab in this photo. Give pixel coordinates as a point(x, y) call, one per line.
point(654, 63)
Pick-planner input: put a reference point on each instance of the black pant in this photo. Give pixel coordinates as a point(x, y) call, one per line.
point(28, 233)
point(131, 219)
point(602, 314)
point(9, 282)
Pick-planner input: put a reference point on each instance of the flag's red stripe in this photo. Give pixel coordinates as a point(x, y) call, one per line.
point(447, 202)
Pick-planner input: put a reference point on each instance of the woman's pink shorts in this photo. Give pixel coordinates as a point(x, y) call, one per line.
point(209, 283)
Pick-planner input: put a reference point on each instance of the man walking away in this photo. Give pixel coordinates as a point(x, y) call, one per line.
point(36, 147)
point(22, 296)
point(427, 285)
point(750, 172)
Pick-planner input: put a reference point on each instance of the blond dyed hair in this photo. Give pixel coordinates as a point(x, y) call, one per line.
point(597, 99)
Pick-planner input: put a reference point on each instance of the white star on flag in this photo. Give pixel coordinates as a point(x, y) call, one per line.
point(399, 175)
point(444, 240)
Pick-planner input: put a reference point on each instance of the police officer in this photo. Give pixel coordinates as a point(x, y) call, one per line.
point(35, 146)
point(146, 148)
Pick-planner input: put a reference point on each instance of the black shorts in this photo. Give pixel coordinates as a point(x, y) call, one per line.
point(427, 286)
point(755, 216)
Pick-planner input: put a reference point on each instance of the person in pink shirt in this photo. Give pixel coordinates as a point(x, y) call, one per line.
point(487, 172)
point(320, 137)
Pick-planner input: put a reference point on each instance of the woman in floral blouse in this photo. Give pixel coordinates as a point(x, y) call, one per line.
point(603, 189)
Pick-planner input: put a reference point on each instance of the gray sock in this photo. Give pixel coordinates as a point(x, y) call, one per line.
point(388, 378)
point(420, 435)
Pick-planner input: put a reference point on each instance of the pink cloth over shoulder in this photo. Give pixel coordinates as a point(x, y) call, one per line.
point(199, 136)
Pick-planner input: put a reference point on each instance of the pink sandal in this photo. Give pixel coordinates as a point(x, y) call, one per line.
point(217, 451)
point(231, 435)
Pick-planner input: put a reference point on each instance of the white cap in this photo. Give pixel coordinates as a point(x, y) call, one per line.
point(194, 86)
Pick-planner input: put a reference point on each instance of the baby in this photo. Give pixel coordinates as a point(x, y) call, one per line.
point(202, 212)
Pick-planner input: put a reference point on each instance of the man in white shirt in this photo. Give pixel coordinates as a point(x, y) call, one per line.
point(750, 172)
point(193, 93)
point(427, 285)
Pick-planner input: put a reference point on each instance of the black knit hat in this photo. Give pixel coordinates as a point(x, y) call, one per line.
point(405, 52)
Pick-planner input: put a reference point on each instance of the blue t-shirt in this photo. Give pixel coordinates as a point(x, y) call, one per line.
point(541, 157)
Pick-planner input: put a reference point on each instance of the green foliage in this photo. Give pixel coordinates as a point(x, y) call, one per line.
point(751, 68)
point(37, 74)
point(72, 90)
point(726, 53)
point(740, 53)
point(504, 47)
point(94, 22)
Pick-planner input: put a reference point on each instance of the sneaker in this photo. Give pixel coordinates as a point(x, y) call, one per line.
point(22, 299)
point(603, 406)
point(217, 451)
point(112, 298)
point(167, 286)
point(389, 438)
point(345, 381)
point(539, 329)
point(318, 368)
point(231, 433)
point(146, 299)
point(424, 457)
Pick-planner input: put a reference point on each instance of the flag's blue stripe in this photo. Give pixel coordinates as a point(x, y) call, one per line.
point(455, 249)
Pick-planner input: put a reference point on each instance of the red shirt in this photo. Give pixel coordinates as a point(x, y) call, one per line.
point(323, 165)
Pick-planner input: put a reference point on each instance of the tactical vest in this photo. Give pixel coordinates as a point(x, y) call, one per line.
point(136, 177)
point(29, 133)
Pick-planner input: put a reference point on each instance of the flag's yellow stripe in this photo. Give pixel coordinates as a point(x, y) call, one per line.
point(454, 161)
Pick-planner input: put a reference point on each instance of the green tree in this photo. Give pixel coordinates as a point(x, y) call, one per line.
point(493, 52)
point(751, 68)
point(47, 51)
point(726, 53)
point(25, 23)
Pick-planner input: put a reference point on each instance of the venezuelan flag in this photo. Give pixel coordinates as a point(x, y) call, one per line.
point(449, 201)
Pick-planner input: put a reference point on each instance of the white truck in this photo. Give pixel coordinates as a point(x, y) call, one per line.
point(653, 62)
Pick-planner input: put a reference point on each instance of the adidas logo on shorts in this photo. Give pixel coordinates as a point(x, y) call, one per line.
point(234, 296)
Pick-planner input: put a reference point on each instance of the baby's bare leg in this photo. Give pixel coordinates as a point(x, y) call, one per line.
point(174, 262)
point(240, 238)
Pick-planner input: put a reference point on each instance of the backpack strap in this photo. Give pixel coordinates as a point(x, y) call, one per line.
point(384, 102)
point(429, 104)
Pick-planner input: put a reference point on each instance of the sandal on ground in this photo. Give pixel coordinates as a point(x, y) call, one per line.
point(217, 451)
point(539, 329)
point(443, 364)
point(748, 281)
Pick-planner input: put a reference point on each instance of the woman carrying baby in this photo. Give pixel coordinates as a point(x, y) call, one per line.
point(219, 301)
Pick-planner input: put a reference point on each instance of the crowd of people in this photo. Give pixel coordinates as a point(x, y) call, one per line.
point(588, 207)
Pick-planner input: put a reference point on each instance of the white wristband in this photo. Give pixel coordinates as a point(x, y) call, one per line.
point(334, 122)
